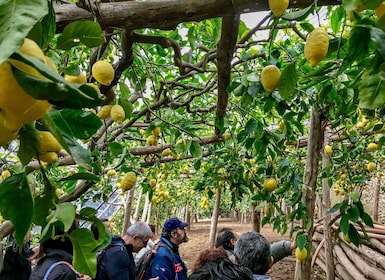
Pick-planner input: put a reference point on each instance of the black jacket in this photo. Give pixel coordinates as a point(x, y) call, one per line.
point(60, 272)
point(116, 261)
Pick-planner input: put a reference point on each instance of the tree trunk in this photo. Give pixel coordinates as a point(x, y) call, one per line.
point(256, 218)
point(145, 208)
point(137, 207)
point(303, 269)
point(326, 204)
point(214, 218)
point(377, 188)
point(127, 211)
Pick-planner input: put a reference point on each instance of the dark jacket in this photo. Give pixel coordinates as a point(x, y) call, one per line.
point(16, 265)
point(166, 263)
point(116, 261)
point(60, 272)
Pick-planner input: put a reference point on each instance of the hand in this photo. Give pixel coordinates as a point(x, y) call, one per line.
point(84, 277)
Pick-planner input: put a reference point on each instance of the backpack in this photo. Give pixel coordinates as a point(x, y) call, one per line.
point(145, 260)
point(52, 266)
point(100, 255)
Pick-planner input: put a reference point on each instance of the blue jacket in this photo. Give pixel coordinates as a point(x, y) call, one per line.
point(167, 263)
point(116, 261)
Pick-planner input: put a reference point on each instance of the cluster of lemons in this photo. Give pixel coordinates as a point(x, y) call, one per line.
point(16, 106)
point(48, 147)
point(152, 139)
point(204, 202)
point(316, 48)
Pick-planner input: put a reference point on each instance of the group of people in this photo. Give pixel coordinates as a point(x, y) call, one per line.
point(136, 256)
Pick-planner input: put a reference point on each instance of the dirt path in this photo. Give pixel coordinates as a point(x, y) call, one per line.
point(199, 237)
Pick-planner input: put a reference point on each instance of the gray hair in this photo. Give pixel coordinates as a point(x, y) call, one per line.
point(140, 229)
point(253, 251)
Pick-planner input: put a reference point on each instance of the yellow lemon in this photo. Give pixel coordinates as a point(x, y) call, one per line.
point(270, 76)
point(317, 45)
point(103, 72)
point(79, 79)
point(371, 166)
point(301, 255)
point(5, 174)
point(166, 152)
point(111, 173)
point(156, 131)
point(151, 140)
point(152, 183)
point(117, 113)
point(128, 181)
point(104, 112)
point(270, 184)
point(278, 7)
point(49, 157)
point(48, 143)
point(328, 150)
point(372, 147)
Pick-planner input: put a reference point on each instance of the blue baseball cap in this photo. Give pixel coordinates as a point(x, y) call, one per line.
point(173, 223)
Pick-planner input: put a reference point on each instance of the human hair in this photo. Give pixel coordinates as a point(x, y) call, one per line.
point(140, 229)
point(223, 269)
point(152, 227)
point(252, 250)
point(209, 255)
point(224, 238)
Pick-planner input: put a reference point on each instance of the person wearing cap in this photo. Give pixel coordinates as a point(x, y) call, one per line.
point(116, 262)
point(167, 264)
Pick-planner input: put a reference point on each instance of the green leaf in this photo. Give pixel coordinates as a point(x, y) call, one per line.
point(29, 143)
point(81, 176)
point(56, 90)
point(16, 204)
point(371, 93)
point(251, 126)
point(337, 17)
point(288, 81)
point(353, 213)
point(79, 154)
point(354, 236)
point(378, 37)
point(367, 219)
point(17, 18)
point(43, 205)
point(298, 15)
point(84, 256)
point(344, 224)
point(62, 217)
point(371, 4)
point(87, 32)
point(301, 240)
point(196, 149)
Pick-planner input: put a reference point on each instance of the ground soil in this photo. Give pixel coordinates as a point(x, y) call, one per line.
point(199, 239)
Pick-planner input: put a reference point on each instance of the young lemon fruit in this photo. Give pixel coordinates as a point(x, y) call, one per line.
point(372, 147)
point(103, 72)
point(371, 166)
point(104, 112)
point(79, 79)
point(328, 150)
point(317, 46)
point(301, 255)
point(48, 143)
point(128, 181)
point(270, 76)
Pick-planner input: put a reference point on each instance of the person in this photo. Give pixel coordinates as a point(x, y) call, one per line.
point(213, 264)
point(252, 250)
point(16, 264)
point(55, 259)
point(150, 245)
point(226, 238)
point(167, 264)
point(116, 262)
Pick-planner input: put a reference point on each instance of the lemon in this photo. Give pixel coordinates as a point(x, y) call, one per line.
point(79, 79)
point(281, 126)
point(49, 157)
point(152, 183)
point(156, 131)
point(6, 136)
point(58, 192)
point(301, 254)
point(371, 166)
point(48, 143)
point(328, 150)
point(270, 184)
point(117, 113)
point(270, 77)
point(278, 7)
point(317, 45)
point(372, 147)
point(19, 107)
point(104, 112)
point(103, 72)
point(166, 152)
point(128, 181)
point(151, 140)
point(111, 173)
point(5, 174)
point(95, 87)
